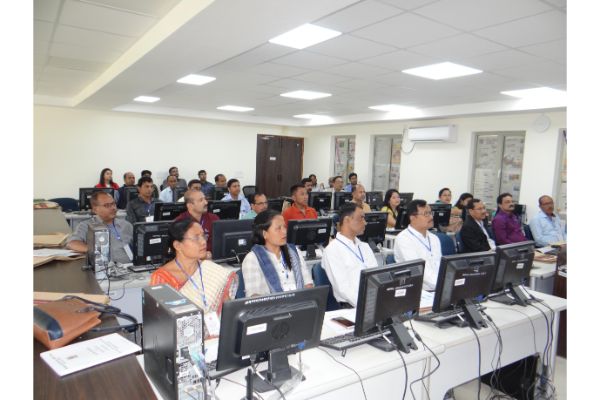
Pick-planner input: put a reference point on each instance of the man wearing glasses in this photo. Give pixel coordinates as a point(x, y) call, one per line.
point(473, 234)
point(258, 204)
point(416, 242)
point(546, 227)
point(197, 209)
point(121, 231)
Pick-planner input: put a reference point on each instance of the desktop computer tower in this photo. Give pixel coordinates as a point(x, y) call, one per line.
point(173, 331)
point(98, 241)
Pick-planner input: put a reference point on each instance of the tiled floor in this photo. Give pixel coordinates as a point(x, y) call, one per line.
point(468, 391)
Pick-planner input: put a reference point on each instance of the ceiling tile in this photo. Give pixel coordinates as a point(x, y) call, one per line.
point(527, 31)
point(304, 59)
point(277, 70)
point(154, 8)
point(475, 14)
point(546, 73)
point(400, 60)
point(408, 4)
point(459, 46)
point(83, 53)
point(401, 31)
point(42, 30)
point(83, 65)
point(351, 48)
point(357, 16)
point(85, 37)
point(321, 77)
point(360, 84)
point(555, 50)
point(46, 10)
point(500, 60)
point(357, 70)
point(258, 55)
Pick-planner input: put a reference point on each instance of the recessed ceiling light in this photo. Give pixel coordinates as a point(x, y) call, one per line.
point(392, 108)
point(198, 80)
point(541, 93)
point(308, 116)
point(235, 108)
point(443, 70)
point(304, 36)
point(147, 99)
point(305, 95)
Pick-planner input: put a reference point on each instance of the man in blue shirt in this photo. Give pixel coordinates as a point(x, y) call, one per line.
point(233, 185)
point(206, 186)
point(545, 226)
point(353, 180)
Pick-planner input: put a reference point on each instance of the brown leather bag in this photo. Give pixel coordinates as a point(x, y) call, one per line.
point(57, 323)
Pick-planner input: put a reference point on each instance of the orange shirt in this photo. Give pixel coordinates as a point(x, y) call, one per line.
point(293, 212)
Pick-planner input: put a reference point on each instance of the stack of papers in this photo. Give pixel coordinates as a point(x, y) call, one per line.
point(51, 240)
point(45, 255)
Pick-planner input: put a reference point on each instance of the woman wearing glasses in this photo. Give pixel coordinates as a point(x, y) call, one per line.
point(202, 281)
point(273, 265)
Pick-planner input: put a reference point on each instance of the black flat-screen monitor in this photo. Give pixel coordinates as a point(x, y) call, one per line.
point(320, 201)
point(374, 233)
point(514, 266)
point(231, 240)
point(130, 193)
point(341, 198)
point(309, 233)
point(151, 243)
point(275, 204)
point(168, 211)
point(375, 200)
point(277, 324)
point(462, 278)
point(441, 214)
point(402, 218)
point(405, 198)
point(519, 211)
point(219, 192)
point(225, 209)
point(86, 193)
point(388, 296)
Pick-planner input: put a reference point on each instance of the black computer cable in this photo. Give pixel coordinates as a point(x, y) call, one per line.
point(255, 369)
point(422, 378)
point(478, 364)
point(497, 390)
point(403, 362)
point(546, 368)
point(350, 368)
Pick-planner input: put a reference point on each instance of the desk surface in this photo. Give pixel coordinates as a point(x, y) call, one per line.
point(118, 379)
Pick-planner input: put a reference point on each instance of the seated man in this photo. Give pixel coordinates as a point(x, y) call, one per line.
point(506, 225)
point(129, 180)
point(194, 184)
point(307, 183)
point(155, 191)
point(352, 181)
point(300, 208)
point(220, 181)
point(196, 205)
point(546, 227)
point(121, 231)
point(359, 195)
point(258, 204)
point(235, 193)
point(168, 194)
point(142, 208)
point(346, 256)
point(206, 186)
point(174, 171)
point(416, 242)
point(473, 234)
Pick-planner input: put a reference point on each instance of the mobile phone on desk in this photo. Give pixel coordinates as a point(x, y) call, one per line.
point(345, 322)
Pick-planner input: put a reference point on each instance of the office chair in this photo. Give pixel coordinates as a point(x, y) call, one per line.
point(248, 190)
point(459, 245)
point(527, 231)
point(447, 244)
point(320, 279)
point(241, 289)
point(67, 204)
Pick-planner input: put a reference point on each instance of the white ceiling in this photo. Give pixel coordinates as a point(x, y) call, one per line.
point(100, 54)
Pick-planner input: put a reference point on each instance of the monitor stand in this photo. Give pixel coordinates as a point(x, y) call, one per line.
point(518, 297)
point(311, 253)
point(277, 373)
point(400, 338)
point(373, 246)
point(472, 315)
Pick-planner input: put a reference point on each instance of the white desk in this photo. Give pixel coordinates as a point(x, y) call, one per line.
point(126, 293)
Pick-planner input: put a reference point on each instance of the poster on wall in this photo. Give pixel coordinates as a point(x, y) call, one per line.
point(486, 169)
point(512, 164)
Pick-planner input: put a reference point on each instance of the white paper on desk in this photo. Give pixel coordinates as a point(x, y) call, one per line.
point(78, 356)
point(53, 252)
point(426, 299)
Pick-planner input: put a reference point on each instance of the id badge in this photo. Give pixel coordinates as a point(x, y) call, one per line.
point(213, 324)
point(128, 251)
point(150, 218)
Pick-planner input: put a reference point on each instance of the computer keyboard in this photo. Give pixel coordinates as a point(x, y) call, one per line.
point(348, 340)
point(142, 268)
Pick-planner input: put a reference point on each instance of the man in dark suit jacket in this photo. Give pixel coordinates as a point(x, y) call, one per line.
point(473, 235)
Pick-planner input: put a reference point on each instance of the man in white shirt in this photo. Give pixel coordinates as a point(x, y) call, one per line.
point(416, 242)
point(546, 226)
point(346, 255)
point(168, 194)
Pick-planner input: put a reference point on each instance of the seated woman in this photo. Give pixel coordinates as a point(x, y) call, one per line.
point(106, 180)
point(391, 201)
point(273, 265)
point(458, 213)
point(202, 281)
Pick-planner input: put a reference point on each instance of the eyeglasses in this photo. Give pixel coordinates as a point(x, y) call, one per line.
point(196, 238)
point(261, 203)
point(109, 205)
point(425, 214)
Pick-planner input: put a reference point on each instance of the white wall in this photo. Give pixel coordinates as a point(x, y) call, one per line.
point(431, 166)
point(72, 146)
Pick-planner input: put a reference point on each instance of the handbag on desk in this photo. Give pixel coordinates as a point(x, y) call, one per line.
point(57, 323)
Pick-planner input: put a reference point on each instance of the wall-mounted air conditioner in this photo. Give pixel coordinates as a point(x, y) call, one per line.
point(445, 133)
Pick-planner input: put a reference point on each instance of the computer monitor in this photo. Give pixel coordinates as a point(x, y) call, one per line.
point(168, 211)
point(340, 198)
point(309, 233)
point(179, 191)
point(388, 296)
point(405, 198)
point(441, 214)
point(151, 243)
point(462, 278)
point(277, 324)
point(520, 211)
point(514, 265)
point(225, 209)
point(320, 201)
point(231, 240)
point(375, 229)
point(275, 204)
point(402, 218)
point(219, 192)
point(130, 193)
point(85, 195)
point(375, 200)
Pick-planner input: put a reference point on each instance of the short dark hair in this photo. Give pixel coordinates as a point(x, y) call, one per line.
point(178, 229)
point(143, 180)
point(171, 169)
point(501, 197)
point(145, 171)
point(311, 175)
point(413, 207)
point(193, 181)
point(252, 197)
point(95, 195)
point(471, 204)
point(201, 171)
point(217, 176)
point(337, 176)
point(442, 190)
point(352, 174)
point(542, 197)
point(231, 182)
point(346, 210)
point(125, 174)
point(294, 188)
point(305, 181)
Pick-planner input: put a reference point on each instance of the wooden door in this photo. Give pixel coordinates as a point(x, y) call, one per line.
point(278, 164)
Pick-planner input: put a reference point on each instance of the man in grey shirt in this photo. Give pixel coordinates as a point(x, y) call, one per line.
point(138, 210)
point(121, 231)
